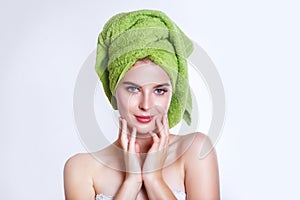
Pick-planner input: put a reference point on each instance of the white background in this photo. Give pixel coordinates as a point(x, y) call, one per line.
point(254, 45)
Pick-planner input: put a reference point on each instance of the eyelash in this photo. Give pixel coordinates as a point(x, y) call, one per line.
point(136, 89)
point(163, 90)
point(131, 88)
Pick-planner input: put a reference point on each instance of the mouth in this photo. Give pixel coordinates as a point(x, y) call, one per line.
point(143, 119)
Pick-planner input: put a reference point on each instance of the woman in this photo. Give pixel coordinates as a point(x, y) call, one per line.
point(141, 61)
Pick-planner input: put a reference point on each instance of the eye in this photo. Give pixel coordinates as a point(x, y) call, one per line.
point(133, 89)
point(160, 91)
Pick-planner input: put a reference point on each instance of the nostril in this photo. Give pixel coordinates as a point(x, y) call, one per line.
point(141, 108)
point(144, 107)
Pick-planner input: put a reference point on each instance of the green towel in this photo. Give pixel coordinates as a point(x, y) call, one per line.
point(129, 37)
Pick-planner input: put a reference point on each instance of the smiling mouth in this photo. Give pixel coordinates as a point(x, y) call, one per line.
point(143, 119)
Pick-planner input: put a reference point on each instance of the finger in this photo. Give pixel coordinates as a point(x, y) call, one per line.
point(159, 125)
point(166, 124)
point(162, 135)
point(132, 141)
point(166, 128)
point(120, 127)
point(124, 138)
point(156, 141)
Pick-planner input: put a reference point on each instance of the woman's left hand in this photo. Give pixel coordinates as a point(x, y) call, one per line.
point(157, 154)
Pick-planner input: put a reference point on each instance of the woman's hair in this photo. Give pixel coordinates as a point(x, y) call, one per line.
point(143, 61)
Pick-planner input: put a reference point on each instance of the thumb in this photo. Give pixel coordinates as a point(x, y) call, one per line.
point(155, 144)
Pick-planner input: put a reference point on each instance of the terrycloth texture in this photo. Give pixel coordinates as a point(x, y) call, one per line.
point(129, 37)
point(180, 195)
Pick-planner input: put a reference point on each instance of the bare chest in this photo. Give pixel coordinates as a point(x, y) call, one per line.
point(108, 181)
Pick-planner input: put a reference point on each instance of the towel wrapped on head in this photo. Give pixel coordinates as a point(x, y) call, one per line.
point(129, 37)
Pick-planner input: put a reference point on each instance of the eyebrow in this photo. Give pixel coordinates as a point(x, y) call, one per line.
point(136, 85)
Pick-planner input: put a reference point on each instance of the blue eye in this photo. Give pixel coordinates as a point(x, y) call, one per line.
point(160, 91)
point(132, 89)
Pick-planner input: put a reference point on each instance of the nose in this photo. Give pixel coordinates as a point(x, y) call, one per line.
point(146, 101)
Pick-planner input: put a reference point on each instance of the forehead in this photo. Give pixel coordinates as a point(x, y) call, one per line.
point(145, 73)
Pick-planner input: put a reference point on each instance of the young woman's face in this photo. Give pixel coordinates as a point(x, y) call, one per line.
point(144, 94)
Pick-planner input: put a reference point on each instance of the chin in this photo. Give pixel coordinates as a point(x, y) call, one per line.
point(143, 129)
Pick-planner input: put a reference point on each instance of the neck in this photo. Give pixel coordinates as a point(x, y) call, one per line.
point(144, 142)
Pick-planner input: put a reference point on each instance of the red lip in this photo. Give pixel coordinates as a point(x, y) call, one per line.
point(143, 119)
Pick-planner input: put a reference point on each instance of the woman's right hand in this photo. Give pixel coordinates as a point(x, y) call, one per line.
point(133, 181)
point(131, 154)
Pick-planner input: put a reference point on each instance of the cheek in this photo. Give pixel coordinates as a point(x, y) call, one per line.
point(126, 102)
point(121, 102)
point(164, 103)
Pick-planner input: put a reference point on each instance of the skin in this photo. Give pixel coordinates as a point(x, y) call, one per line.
point(153, 161)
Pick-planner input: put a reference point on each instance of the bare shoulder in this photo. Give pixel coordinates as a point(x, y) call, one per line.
point(80, 166)
point(80, 161)
point(78, 176)
point(199, 143)
point(195, 145)
point(201, 167)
